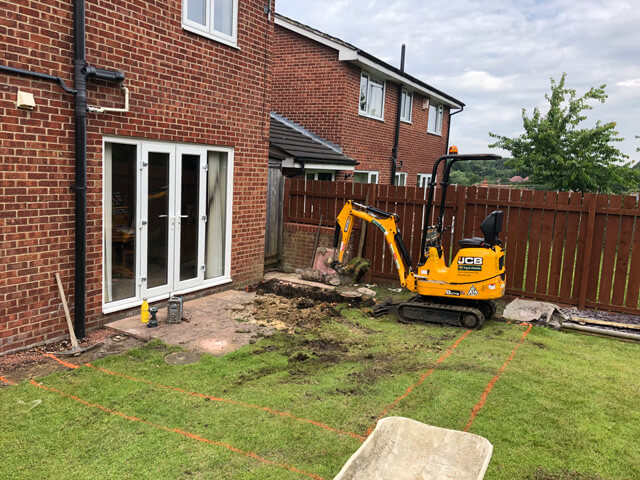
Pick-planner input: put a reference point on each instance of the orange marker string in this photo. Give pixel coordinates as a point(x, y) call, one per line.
point(422, 378)
point(73, 366)
point(180, 432)
point(229, 401)
point(208, 397)
point(7, 381)
point(478, 406)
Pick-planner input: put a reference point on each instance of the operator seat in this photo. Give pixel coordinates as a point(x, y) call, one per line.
point(491, 227)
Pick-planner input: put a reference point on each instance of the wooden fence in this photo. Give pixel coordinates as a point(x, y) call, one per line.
point(568, 248)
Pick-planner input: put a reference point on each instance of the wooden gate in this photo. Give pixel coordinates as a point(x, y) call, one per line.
point(275, 194)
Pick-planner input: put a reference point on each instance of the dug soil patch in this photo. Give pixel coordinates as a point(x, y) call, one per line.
point(286, 314)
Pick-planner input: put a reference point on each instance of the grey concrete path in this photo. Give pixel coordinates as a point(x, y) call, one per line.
point(210, 324)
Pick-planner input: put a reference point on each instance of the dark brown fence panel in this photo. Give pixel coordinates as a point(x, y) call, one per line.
point(609, 253)
point(546, 241)
point(575, 249)
point(535, 233)
point(633, 288)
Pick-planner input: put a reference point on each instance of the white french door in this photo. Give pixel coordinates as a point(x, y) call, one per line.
point(167, 222)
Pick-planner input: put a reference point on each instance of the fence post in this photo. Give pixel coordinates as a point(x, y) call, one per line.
point(586, 261)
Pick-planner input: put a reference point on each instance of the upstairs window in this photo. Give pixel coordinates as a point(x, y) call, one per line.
point(371, 97)
point(406, 102)
point(216, 19)
point(434, 123)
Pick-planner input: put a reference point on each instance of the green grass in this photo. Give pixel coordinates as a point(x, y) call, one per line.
point(565, 403)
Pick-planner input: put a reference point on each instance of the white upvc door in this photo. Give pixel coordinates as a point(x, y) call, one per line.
point(190, 217)
point(158, 211)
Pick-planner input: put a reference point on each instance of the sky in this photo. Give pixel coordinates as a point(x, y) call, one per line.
point(497, 56)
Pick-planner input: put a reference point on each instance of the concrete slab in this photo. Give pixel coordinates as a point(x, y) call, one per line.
point(404, 449)
point(210, 325)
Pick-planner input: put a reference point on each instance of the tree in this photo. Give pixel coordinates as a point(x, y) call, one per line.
point(558, 154)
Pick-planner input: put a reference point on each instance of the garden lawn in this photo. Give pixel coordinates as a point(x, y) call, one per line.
point(565, 406)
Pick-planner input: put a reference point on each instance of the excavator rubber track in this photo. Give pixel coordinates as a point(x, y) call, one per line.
point(423, 310)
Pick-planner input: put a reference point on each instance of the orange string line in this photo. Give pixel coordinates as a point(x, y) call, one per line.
point(61, 362)
point(184, 433)
point(213, 399)
point(423, 377)
point(7, 381)
point(478, 406)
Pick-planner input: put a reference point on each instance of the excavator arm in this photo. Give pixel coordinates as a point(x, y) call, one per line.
point(385, 222)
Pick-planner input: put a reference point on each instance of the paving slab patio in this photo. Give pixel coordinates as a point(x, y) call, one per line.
point(209, 324)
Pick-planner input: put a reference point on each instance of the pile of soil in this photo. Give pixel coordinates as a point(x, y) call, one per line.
point(286, 314)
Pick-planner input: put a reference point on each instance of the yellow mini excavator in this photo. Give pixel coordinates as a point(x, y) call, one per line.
point(460, 294)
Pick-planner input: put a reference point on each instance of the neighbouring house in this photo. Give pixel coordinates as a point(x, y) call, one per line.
point(350, 98)
point(176, 186)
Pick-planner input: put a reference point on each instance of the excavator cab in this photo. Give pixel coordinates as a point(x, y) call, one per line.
point(459, 294)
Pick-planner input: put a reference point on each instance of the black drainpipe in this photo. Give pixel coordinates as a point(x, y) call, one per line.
point(449, 126)
point(81, 73)
point(394, 151)
point(80, 82)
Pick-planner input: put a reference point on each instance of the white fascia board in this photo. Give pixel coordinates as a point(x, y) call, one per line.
point(374, 68)
point(327, 166)
point(289, 162)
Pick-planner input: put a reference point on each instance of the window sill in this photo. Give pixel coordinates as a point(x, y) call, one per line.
point(406, 121)
point(202, 33)
point(434, 133)
point(380, 119)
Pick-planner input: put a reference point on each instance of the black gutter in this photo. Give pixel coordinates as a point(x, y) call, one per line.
point(396, 138)
point(41, 76)
point(449, 125)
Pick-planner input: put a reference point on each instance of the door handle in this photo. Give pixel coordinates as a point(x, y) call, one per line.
point(183, 216)
point(163, 216)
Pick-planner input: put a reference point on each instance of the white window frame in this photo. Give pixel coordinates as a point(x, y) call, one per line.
point(423, 177)
point(365, 112)
point(439, 112)
point(400, 175)
point(315, 174)
point(403, 111)
point(208, 30)
point(140, 291)
point(370, 174)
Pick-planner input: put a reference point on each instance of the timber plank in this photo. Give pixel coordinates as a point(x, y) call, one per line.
point(623, 253)
point(559, 231)
point(609, 254)
point(570, 247)
point(535, 233)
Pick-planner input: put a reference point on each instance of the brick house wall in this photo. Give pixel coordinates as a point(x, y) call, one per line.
point(184, 88)
point(313, 88)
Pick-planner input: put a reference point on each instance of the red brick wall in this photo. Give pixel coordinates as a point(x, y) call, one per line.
point(298, 241)
point(184, 88)
point(313, 88)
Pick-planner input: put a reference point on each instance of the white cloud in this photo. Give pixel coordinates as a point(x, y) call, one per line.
point(498, 56)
